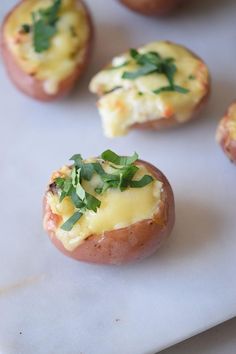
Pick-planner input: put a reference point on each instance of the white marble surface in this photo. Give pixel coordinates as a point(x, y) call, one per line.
point(65, 307)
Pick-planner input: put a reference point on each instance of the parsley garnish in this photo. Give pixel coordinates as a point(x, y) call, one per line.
point(44, 26)
point(111, 156)
point(25, 28)
point(68, 225)
point(150, 63)
point(123, 170)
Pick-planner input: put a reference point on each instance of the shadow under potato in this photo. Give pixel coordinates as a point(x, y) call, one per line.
point(197, 226)
point(202, 8)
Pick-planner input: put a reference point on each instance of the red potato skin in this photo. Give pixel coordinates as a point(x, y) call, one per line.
point(152, 7)
point(124, 245)
point(224, 139)
point(29, 84)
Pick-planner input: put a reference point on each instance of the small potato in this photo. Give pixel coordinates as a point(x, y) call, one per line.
point(128, 225)
point(226, 133)
point(152, 7)
point(159, 85)
point(42, 65)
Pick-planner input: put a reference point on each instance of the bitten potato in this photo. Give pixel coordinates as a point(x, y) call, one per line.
point(160, 85)
point(129, 224)
point(46, 45)
point(226, 133)
point(152, 7)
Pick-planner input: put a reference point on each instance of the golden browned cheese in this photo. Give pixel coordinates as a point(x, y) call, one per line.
point(67, 45)
point(124, 103)
point(118, 209)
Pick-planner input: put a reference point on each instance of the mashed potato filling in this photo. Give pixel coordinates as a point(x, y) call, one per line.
point(118, 209)
point(125, 102)
point(67, 47)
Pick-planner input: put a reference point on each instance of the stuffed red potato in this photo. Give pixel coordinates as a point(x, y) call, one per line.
point(157, 86)
point(152, 7)
point(109, 210)
point(226, 133)
point(45, 46)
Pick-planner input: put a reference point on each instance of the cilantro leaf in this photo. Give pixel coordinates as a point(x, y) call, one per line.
point(44, 26)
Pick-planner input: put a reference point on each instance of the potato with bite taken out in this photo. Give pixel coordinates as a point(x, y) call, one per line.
point(152, 7)
point(45, 45)
point(159, 85)
point(226, 133)
point(111, 209)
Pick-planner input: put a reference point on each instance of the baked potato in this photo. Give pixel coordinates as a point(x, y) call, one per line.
point(226, 133)
point(152, 7)
point(45, 45)
point(157, 86)
point(110, 210)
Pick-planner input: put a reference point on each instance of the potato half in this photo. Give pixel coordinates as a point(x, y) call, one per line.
point(160, 85)
point(53, 72)
point(226, 133)
point(152, 7)
point(122, 244)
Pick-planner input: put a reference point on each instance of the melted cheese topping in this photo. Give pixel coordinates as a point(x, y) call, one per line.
point(67, 46)
point(117, 210)
point(133, 101)
point(231, 121)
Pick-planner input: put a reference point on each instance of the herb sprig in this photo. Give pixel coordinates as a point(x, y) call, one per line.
point(123, 170)
point(43, 26)
point(150, 63)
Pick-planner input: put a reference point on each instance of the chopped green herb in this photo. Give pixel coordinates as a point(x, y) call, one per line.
point(180, 89)
point(68, 225)
point(87, 169)
point(150, 63)
point(80, 191)
point(25, 28)
point(174, 88)
point(123, 171)
point(44, 26)
point(92, 203)
point(145, 70)
point(111, 156)
point(192, 77)
point(145, 180)
point(140, 93)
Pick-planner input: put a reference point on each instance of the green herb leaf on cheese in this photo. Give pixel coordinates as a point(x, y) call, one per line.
point(44, 26)
point(68, 225)
point(144, 181)
point(123, 170)
point(153, 62)
point(111, 156)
